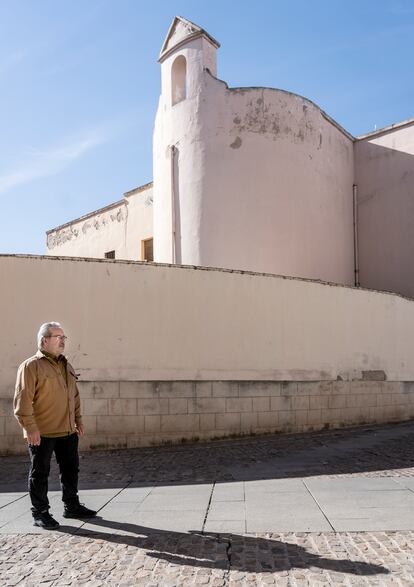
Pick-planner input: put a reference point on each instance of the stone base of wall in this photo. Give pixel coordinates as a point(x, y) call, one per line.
point(128, 414)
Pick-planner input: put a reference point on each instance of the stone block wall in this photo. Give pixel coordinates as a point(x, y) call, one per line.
point(127, 414)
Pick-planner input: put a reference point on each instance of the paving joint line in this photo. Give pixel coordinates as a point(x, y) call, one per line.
point(17, 518)
point(14, 501)
point(104, 505)
point(318, 504)
point(208, 506)
point(245, 510)
point(397, 480)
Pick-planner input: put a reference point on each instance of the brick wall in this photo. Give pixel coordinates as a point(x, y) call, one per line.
point(138, 413)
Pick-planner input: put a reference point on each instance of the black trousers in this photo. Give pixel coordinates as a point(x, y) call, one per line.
point(67, 457)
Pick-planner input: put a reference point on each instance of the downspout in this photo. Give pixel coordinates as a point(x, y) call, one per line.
point(356, 257)
point(173, 151)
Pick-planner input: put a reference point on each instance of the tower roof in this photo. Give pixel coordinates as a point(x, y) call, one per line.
point(180, 32)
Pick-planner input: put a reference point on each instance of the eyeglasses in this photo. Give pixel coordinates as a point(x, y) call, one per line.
point(60, 336)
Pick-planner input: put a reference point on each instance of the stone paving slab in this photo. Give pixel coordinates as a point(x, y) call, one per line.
point(180, 498)
point(156, 521)
point(351, 484)
point(407, 482)
point(227, 510)
point(300, 505)
point(228, 492)
point(281, 505)
point(364, 504)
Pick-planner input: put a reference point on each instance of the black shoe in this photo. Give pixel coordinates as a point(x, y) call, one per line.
point(45, 520)
point(78, 511)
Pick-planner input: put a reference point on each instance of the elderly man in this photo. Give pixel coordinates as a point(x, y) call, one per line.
point(47, 407)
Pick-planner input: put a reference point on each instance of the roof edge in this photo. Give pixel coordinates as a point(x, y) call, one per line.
point(86, 216)
point(139, 189)
point(198, 32)
point(323, 113)
point(103, 209)
point(386, 129)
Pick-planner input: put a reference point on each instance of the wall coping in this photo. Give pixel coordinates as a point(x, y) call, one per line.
point(386, 129)
point(200, 268)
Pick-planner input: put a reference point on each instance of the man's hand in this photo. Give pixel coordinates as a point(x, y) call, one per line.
point(33, 438)
point(80, 430)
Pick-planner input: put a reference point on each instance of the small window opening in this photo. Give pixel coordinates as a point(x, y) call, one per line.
point(147, 249)
point(179, 80)
point(110, 255)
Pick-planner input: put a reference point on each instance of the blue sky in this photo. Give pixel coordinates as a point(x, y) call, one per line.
point(80, 86)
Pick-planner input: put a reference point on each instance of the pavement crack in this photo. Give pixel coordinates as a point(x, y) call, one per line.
point(228, 552)
point(226, 574)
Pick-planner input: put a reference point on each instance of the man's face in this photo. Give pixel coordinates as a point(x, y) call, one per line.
point(54, 343)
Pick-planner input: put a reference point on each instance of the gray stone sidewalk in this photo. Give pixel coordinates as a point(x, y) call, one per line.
point(328, 508)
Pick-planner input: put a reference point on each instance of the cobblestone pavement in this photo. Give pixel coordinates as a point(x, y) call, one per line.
point(358, 559)
point(168, 559)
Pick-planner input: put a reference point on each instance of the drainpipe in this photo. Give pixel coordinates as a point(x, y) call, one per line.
point(173, 151)
point(356, 259)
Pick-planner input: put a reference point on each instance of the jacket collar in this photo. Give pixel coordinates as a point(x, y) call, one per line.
point(41, 355)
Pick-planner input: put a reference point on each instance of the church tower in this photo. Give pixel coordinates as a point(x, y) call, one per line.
point(178, 154)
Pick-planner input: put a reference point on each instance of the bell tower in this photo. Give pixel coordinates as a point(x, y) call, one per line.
point(187, 52)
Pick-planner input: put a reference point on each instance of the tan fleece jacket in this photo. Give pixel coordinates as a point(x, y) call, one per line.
point(43, 400)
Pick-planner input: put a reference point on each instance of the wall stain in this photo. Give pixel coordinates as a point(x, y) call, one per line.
point(236, 144)
point(320, 141)
point(273, 120)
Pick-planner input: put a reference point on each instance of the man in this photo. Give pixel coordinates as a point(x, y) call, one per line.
point(47, 407)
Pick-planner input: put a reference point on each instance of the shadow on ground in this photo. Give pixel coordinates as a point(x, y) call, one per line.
point(221, 551)
point(369, 451)
point(366, 450)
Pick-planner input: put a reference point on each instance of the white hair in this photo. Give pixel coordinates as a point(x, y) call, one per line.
point(44, 331)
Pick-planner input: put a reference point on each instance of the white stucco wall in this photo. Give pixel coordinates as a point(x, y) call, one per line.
point(177, 126)
point(384, 166)
point(263, 179)
point(135, 321)
point(119, 227)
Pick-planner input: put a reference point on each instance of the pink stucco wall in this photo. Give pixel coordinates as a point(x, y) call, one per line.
point(384, 174)
point(277, 185)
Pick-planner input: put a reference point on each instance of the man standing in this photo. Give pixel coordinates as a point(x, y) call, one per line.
point(47, 407)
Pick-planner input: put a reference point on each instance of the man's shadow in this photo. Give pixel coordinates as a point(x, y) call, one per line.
point(224, 551)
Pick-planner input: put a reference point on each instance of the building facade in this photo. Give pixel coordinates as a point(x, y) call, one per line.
point(258, 179)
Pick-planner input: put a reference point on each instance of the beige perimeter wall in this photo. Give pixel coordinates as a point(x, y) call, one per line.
point(169, 353)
